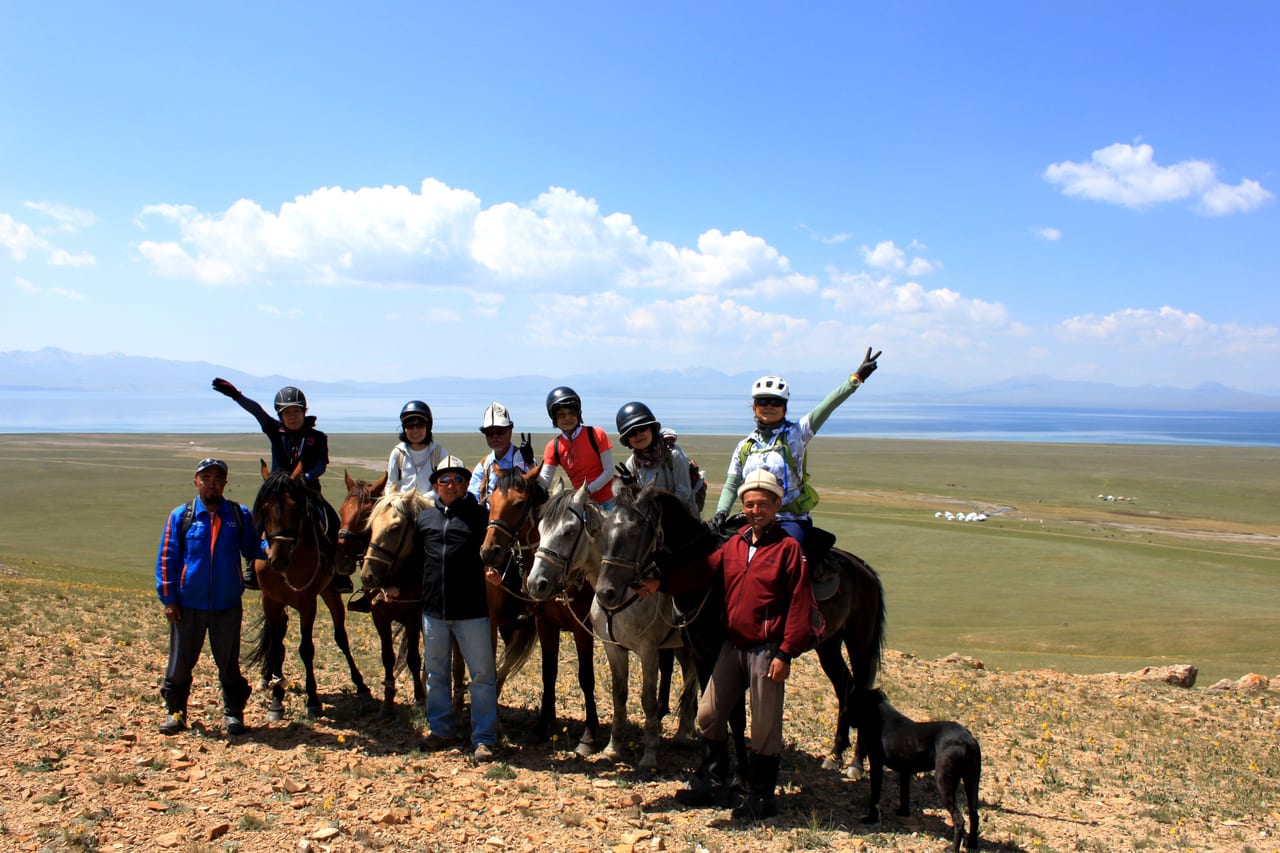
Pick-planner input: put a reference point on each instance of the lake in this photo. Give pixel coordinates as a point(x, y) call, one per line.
point(207, 412)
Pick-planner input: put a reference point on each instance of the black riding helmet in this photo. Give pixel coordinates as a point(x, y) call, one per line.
point(632, 416)
point(563, 397)
point(288, 396)
point(416, 409)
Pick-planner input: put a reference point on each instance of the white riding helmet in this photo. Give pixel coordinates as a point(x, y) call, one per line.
point(495, 416)
point(771, 386)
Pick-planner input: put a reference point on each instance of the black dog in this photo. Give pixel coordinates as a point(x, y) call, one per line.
point(889, 739)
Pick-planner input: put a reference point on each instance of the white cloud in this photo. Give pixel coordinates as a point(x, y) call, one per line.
point(20, 240)
point(24, 284)
point(829, 239)
point(1167, 327)
point(68, 218)
point(63, 258)
point(443, 238)
point(886, 255)
point(276, 311)
point(1051, 235)
point(1128, 175)
point(73, 295)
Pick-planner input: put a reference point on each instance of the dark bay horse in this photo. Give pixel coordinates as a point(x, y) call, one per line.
point(659, 535)
point(353, 520)
point(515, 505)
point(298, 568)
point(386, 568)
point(572, 528)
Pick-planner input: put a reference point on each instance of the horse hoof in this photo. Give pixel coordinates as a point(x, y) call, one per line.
point(585, 749)
point(830, 763)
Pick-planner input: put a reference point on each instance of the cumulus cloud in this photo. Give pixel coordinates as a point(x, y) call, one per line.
point(886, 255)
point(442, 237)
point(1050, 235)
point(1144, 328)
point(1129, 175)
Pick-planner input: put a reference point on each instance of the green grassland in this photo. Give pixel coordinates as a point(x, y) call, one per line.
point(1188, 571)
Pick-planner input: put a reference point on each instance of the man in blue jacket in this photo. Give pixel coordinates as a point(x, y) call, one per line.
point(198, 582)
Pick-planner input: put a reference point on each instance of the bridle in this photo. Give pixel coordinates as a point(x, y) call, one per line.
point(564, 563)
point(512, 552)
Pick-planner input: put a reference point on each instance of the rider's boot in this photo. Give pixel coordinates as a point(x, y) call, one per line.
point(759, 803)
point(249, 576)
point(707, 782)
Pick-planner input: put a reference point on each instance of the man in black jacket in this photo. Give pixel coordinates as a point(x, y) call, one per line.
point(449, 536)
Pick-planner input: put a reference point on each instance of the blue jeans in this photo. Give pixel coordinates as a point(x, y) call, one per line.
point(477, 650)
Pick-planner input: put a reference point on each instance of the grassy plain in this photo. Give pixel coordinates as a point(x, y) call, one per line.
point(1186, 572)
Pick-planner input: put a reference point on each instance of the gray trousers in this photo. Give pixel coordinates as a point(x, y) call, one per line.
point(737, 670)
point(186, 640)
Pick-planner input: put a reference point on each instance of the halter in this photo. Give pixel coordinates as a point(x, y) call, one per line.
point(507, 555)
point(564, 562)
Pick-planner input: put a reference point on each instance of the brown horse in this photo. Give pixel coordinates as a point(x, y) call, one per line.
point(353, 521)
point(395, 586)
point(298, 570)
point(508, 546)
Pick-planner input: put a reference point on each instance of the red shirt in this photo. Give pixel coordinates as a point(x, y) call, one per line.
point(581, 462)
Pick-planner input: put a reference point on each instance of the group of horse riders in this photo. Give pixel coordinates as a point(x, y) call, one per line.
point(206, 538)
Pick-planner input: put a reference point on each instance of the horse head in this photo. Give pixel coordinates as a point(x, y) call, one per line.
point(353, 520)
point(629, 543)
point(513, 508)
point(567, 552)
point(281, 513)
point(392, 522)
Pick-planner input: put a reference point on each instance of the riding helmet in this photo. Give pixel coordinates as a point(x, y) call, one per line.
point(771, 386)
point(563, 397)
point(288, 397)
point(416, 409)
point(495, 416)
point(632, 416)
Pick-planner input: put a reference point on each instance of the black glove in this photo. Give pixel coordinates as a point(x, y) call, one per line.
point(526, 449)
point(222, 386)
point(624, 474)
point(868, 365)
point(716, 522)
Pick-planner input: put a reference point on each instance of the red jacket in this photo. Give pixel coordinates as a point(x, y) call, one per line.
point(768, 599)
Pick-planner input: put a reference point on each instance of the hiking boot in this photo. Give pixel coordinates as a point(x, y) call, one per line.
point(707, 782)
point(482, 752)
point(233, 724)
point(434, 743)
point(759, 803)
point(250, 578)
point(174, 723)
point(360, 603)
point(342, 584)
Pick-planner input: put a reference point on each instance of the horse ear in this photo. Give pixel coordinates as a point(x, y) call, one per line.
point(379, 485)
point(532, 473)
point(346, 478)
point(296, 474)
point(266, 472)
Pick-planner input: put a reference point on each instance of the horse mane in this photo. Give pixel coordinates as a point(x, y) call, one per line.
point(684, 536)
point(556, 504)
point(514, 480)
point(281, 484)
point(408, 503)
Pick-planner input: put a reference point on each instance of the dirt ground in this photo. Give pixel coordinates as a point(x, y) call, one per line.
point(1070, 762)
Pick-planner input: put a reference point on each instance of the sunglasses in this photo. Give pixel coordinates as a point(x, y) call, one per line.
point(415, 424)
point(772, 402)
point(492, 431)
point(455, 479)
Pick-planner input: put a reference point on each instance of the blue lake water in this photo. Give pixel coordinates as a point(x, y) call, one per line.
point(76, 411)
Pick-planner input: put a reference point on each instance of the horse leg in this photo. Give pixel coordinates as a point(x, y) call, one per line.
point(549, 643)
point(413, 641)
point(618, 677)
point(307, 651)
point(338, 610)
point(688, 695)
point(666, 666)
point(585, 644)
point(830, 655)
point(276, 627)
point(649, 704)
point(383, 626)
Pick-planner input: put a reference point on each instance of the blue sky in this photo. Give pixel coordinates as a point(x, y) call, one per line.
point(392, 191)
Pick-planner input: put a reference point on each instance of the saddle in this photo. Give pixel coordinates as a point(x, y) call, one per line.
point(824, 577)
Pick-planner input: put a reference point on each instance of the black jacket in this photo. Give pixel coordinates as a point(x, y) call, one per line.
point(448, 543)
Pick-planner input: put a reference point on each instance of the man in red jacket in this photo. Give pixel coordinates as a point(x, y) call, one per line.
point(768, 607)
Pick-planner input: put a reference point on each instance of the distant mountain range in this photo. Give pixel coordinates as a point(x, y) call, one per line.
point(52, 369)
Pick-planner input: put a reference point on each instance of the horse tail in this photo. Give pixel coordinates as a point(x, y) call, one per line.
point(516, 650)
point(864, 633)
point(256, 655)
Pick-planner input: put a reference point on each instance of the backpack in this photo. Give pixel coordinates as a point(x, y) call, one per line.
point(189, 516)
point(808, 497)
point(591, 437)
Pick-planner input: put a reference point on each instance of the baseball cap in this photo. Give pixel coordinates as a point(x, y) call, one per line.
point(210, 463)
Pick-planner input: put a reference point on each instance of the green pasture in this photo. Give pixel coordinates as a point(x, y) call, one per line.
point(1186, 572)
